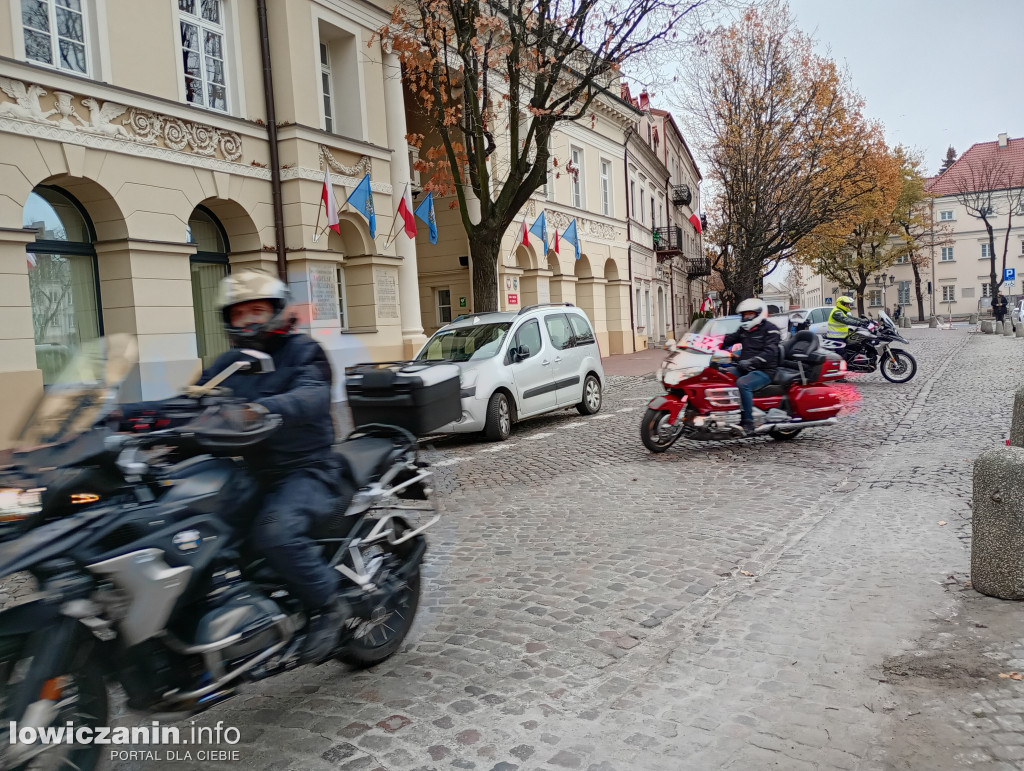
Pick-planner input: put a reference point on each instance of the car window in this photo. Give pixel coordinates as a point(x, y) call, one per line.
point(817, 315)
point(584, 334)
point(480, 341)
point(559, 331)
point(528, 335)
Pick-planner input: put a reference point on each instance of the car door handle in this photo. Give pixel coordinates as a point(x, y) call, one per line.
point(558, 359)
point(545, 363)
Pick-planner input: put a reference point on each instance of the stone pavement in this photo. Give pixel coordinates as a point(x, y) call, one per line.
point(747, 604)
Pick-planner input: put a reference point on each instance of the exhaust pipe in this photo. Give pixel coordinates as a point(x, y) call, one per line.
point(764, 428)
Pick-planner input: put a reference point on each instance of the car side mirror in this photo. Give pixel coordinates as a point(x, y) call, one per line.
point(257, 362)
point(523, 352)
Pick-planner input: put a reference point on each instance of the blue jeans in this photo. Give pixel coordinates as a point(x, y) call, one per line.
point(748, 384)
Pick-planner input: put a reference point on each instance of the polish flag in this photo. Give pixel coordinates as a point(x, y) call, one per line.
point(556, 240)
point(695, 221)
point(524, 237)
point(405, 212)
point(327, 196)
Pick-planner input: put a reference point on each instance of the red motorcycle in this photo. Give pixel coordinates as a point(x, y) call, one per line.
point(702, 401)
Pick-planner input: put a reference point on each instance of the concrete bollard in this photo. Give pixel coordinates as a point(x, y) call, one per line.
point(986, 326)
point(997, 524)
point(933, 323)
point(974, 318)
point(1017, 420)
point(1008, 328)
point(1020, 329)
point(906, 322)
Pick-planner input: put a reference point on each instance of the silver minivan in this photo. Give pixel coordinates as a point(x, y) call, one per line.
point(517, 365)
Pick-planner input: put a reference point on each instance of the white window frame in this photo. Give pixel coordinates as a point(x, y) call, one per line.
point(986, 289)
point(949, 293)
point(55, 38)
point(945, 216)
point(903, 259)
point(643, 195)
point(209, 27)
point(947, 254)
point(984, 252)
point(326, 87)
point(576, 180)
point(438, 305)
point(342, 297)
point(902, 292)
point(606, 188)
point(874, 298)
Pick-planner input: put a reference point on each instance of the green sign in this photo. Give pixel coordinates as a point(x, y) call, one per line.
point(462, 302)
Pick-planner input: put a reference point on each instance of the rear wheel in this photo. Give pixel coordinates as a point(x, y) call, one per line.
point(81, 697)
point(784, 434)
point(655, 431)
point(391, 612)
point(499, 418)
point(898, 366)
point(591, 403)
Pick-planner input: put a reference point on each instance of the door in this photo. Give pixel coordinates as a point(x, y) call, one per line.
point(584, 352)
point(564, 361)
point(531, 375)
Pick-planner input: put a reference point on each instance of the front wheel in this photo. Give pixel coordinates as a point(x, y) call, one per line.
point(499, 418)
point(81, 699)
point(655, 431)
point(591, 404)
point(898, 366)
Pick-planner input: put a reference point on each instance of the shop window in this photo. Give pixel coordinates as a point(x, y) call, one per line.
point(62, 279)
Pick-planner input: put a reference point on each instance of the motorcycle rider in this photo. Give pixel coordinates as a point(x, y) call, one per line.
point(295, 466)
point(758, 359)
point(842, 322)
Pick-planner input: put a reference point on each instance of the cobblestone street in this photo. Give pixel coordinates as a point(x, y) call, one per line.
point(748, 604)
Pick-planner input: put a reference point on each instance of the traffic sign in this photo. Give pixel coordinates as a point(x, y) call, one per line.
point(1009, 274)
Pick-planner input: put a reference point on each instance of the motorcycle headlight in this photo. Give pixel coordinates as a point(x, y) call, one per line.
point(17, 504)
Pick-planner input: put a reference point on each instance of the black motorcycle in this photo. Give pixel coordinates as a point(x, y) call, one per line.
point(871, 347)
point(140, 580)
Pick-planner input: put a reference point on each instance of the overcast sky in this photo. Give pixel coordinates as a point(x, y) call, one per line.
point(934, 72)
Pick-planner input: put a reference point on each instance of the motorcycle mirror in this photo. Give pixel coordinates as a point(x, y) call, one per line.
point(258, 361)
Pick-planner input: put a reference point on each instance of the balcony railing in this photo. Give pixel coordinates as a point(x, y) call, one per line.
point(681, 195)
point(668, 240)
point(698, 266)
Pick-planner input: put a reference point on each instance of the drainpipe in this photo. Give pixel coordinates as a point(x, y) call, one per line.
point(629, 249)
point(275, 163)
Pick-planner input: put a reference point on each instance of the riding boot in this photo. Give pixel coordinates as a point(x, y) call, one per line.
point(322, 631)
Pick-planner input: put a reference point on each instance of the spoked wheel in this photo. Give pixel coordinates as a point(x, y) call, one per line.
point(392, 607)
point(901, 370)
point(656, 433)
point(784, 434)
point(81, 698)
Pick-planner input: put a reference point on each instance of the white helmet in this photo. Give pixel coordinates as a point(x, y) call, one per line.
point(755, 307)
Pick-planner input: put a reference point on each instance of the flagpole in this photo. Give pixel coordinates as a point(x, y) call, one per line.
point(394, 221)
point(316, 228)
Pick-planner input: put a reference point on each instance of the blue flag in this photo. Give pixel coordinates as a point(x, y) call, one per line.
point(425, 211)
point(570, 236)
point(540, 229)
point(362, 200)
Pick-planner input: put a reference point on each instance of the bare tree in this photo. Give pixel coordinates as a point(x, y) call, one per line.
point(476, 68)
point(786, 141)
point(990, 188)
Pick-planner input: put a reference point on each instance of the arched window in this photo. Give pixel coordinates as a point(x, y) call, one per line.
point(209, 267)
point(62, 279)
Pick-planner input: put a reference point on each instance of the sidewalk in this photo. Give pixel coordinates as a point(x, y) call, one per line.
point(634, 364)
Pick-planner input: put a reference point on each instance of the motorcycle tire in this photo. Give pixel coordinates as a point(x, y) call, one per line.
point(87, 705)
point(784, 434)
point(651, 434)
point(902, 370)
point(383, 633)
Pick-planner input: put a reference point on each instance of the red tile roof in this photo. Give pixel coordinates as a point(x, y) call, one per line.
point(1005, 166)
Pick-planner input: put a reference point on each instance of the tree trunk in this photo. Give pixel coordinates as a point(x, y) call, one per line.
point(485, 249)
point(917, 289)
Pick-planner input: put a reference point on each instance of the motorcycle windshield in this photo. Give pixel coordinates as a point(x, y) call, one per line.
point(886, 320)
point(84, 392)
point(683, 364)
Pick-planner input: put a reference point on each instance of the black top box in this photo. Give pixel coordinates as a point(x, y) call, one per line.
point(418, 396)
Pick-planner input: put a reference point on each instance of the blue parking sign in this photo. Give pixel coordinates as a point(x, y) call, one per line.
point(1009, 274)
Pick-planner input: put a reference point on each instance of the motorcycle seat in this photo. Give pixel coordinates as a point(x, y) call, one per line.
point(772, 389)
point(785, 377)
point(367, 457)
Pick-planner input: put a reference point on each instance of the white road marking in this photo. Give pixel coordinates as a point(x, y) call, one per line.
point(637, 399)
point(541, 435)
point(450, 461)
point(602, 417)
point(625, 409)
point(499, 448)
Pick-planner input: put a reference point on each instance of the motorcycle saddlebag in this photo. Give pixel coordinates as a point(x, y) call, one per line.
point(816, 402)
point(417, 396)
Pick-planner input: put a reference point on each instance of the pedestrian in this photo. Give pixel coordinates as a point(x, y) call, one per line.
point(896, 313)
point(999, 307)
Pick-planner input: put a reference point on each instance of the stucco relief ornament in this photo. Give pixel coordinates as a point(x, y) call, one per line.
point(175, 134)
point(26, 101)
point(202, 138)
point(100, 117)
point(65, 107)
point(230, 145)
point(146, 125)
point(360, 169)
